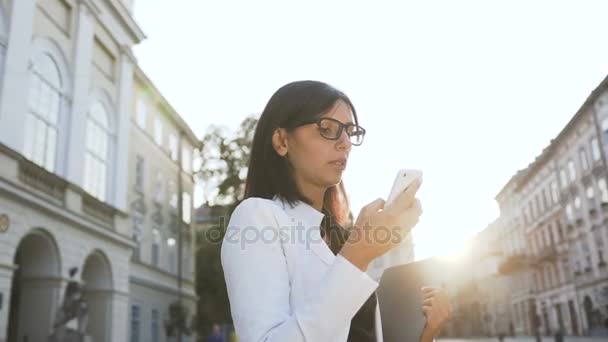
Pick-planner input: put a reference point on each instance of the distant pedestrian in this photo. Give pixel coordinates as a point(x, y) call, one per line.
point(216, 334)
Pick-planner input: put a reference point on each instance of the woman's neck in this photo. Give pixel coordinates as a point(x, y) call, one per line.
point(314, 193)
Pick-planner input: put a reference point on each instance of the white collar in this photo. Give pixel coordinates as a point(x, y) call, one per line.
point(301, 211)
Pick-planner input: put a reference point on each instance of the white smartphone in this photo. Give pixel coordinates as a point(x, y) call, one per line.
point(404, 178)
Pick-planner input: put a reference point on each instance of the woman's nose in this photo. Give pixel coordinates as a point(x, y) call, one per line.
point(344, 141)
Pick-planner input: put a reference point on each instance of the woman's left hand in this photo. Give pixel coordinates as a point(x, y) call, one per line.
point(436, 308)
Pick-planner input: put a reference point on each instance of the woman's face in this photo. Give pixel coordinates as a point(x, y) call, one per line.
point(318, 161)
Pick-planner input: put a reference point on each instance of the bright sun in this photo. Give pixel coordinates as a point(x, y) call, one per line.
point(451, 249)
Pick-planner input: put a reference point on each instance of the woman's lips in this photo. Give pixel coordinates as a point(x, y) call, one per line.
point(338, 163)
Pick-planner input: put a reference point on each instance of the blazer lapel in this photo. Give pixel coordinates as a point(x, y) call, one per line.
point(311, 218)
point(320, 247)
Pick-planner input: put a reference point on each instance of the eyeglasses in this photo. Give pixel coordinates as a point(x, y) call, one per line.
point(331, 129)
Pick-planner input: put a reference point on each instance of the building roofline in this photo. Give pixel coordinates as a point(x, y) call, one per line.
point(173, 114)
point(524, 174)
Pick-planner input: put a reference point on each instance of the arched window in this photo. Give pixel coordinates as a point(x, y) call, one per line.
point(44, 106)
point(98, 146)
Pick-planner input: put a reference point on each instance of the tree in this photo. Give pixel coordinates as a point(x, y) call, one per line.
point(224, 160)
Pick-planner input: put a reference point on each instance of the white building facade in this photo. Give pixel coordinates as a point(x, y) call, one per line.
point(68, 148)
point(160, 157)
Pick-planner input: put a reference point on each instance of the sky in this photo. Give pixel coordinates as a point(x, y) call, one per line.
point(467, 91)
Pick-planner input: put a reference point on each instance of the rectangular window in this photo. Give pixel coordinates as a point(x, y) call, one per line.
point(156, 240)
point(560, 233)
point(577, 202)
point(601, 184)
point(154, 326)
point(172, 189)
point(554, 192)
point(584, 161)
point(563, 178)
point(136, 256)
point(590, 192)
point(605, 130)
point(141, 111)
point(186, 207)
point(172, 260)
point(173, 147)
point(571, 170)
point(186, 262)
point(139, 173)
point(159, 188)
point(569, 212)
point(576, 264)
point(595, 149)
point(565, 270)
point(545, 200)
point(187, 160)
point(135, 323)
point(158, 131)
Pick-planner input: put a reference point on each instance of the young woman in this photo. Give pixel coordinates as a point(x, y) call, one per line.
point(292, 272)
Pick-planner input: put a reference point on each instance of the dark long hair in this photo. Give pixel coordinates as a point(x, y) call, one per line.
point(269, 174)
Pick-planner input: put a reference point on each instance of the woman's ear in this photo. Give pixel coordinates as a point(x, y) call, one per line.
point(279, 141)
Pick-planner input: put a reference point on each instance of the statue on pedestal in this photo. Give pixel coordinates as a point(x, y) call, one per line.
point(74, 306)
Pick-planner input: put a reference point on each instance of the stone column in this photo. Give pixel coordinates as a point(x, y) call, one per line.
point(13, 94)
point(83, 54)
point(125, 101)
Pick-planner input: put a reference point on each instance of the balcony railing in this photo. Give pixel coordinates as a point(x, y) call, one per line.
point(98, 209)
point(514, 263)
point(42, 180)
point(547, 253)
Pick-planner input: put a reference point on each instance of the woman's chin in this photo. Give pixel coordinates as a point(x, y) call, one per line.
point(334, 180)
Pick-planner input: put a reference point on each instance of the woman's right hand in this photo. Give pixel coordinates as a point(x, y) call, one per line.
point(378, 229)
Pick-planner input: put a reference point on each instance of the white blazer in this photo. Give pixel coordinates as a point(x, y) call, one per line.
point(283, 281)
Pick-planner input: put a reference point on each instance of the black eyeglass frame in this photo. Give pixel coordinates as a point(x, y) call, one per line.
point(342, 126)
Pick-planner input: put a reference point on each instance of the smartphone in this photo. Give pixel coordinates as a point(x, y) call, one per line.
point(404, 178)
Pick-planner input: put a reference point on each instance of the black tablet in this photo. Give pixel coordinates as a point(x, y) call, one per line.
point(400, 298)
